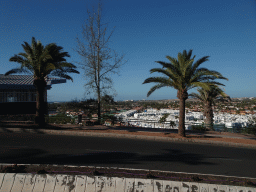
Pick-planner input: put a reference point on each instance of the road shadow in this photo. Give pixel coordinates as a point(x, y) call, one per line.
point(112, 157)
point(12, 153)
point(85, 159)
point(172, 155)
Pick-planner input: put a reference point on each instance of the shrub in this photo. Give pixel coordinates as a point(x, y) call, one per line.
point(60, 118)
point(89, 123)
point(198, 128)
point(251, 128)
point(110, 117)
point(41, 171)
point(15, 169)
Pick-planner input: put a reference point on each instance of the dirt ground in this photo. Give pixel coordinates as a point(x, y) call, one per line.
point(212, 136)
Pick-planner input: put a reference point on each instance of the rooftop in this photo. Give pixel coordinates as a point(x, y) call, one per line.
point(24, 81)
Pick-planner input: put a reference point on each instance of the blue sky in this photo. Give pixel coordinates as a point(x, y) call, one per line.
point(145, 31)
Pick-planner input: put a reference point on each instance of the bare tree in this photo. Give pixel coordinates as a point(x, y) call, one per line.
point(99, 61)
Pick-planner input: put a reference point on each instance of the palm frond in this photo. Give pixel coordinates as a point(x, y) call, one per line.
point(152, 89)
point(188, 55)
point(16, 70)
point(66, 64)
point(213, 94)
point(203, 85)
point(17, 58)
point(69, 70)
point(199, 62)
point(166, 72)
point(162, 80)
point(62, 75)
point(43, 60)
point(166, 65)
point(196, 96)
point(26, 47)
point(173, 61)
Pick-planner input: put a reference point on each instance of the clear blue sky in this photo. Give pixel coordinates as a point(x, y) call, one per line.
point(146, 31)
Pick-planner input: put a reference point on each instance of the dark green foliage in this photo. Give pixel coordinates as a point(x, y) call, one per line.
point(249, 183)
point(198, 128)
point(163, 118)
point(89, 123)
point(60, 118)
point(97, 173)
point(172, 124)
point(251, 128)
point(110, 117)
point(150, 176)
point(85, 105)
point(41, 171)
point(15, 169)
point(196, 179)
point(108, 99)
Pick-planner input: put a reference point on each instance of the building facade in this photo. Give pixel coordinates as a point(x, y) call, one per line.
point(18, 94)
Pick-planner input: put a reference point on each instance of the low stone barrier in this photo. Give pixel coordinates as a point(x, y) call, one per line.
point(76, 183)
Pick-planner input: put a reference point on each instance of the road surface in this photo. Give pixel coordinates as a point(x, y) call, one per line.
point(31, 148)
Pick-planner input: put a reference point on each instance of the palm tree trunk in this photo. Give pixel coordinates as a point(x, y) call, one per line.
point(40, 104)
point(182, 95)
point(181, 130)
point(209, 115)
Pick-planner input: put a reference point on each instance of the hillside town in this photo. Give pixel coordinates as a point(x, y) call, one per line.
point(238, 113)
point(150, 119)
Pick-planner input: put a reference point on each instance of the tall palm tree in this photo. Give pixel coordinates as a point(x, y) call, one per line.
point(42, 61)
point(208, 98)
point(183, 74)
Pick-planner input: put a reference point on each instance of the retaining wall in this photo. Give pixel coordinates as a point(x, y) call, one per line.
point(77, 183)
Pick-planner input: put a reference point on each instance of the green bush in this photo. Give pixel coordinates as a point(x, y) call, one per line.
point(89, 123)
point(60, 118)
point(249, 130)
point(164, 117)
point(198, 128)
point(110, 117)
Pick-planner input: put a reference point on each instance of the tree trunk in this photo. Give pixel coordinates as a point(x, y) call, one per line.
point(99, 109)
point(182, 95)
point(40, 104)
point(209, 115)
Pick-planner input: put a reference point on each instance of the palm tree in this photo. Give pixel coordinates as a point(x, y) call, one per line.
point(183, 74)
point(208, 98)
point(42, 61)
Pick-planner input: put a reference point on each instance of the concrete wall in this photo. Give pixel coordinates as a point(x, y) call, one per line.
point(77, 183)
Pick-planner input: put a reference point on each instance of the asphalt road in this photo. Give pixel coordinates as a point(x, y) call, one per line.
point(30, 148)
